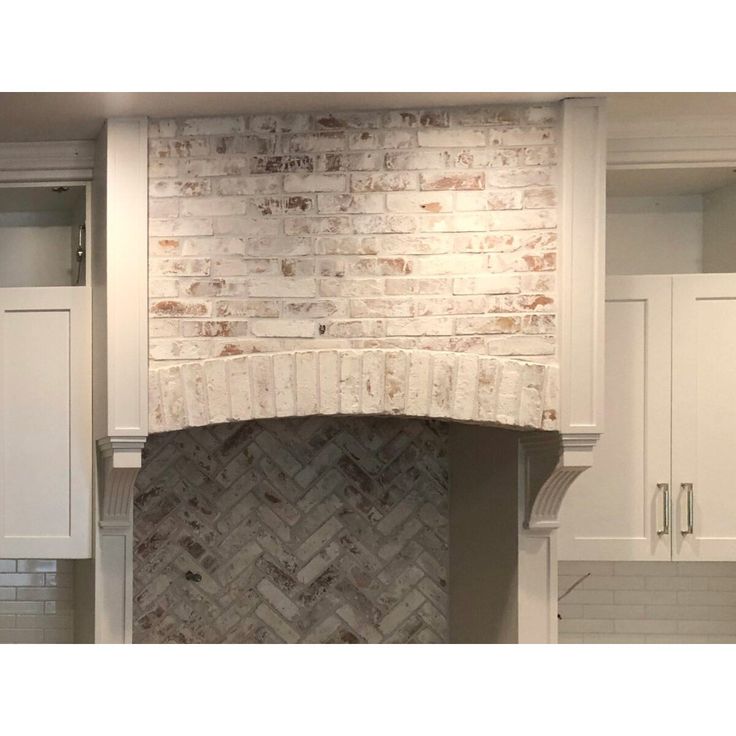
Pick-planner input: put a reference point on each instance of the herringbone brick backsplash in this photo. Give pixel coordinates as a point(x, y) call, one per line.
point(303, 530)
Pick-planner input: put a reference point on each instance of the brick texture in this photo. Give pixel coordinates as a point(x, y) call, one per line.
point(416, 383)
point(303, 530)
point(354, 231)
point(648, 602)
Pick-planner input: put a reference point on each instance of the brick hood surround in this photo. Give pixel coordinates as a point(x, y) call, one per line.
point(398, 262)
point(416, 264)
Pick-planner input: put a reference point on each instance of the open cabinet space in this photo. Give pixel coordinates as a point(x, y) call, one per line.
point(42, 235)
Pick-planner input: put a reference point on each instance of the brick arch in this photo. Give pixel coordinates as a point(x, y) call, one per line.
point(416, 383)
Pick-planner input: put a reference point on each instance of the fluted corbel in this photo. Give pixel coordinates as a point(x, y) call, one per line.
point(120, 462)
point(549, 462)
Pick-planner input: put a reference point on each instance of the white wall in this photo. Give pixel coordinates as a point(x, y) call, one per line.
point(719, 230)
point(654, 234)
point(35, 256)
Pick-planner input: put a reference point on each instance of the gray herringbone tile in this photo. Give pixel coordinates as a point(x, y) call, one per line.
point(303, 530)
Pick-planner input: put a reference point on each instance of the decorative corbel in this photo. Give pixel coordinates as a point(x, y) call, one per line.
point(548, 464)
point(120, 462)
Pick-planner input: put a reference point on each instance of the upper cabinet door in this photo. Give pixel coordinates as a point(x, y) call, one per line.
point(704, 417)
point(45, 423)
point(616, 510)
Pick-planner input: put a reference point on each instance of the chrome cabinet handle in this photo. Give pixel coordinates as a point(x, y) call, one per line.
point(688, 488)
point(665, 488)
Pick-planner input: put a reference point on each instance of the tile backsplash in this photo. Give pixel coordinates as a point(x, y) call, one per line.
point(315, 530)
point(648, 602)
point(36, 601)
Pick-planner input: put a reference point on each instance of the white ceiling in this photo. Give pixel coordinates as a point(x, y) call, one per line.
point(30, 116)
point(33, 116)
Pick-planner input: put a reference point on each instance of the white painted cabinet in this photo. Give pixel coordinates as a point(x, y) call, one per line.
point(659, 488)
point(704, 416)
point(45, 423)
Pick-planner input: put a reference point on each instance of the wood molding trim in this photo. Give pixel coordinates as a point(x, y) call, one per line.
point(669, 143)
point(127, 276)
point(47, 161)
point(671, 152)
point(582, 265)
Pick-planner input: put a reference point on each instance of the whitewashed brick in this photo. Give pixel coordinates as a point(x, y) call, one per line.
point(418, 384)
point(451, 137)
point(350, 382)
point(443, 385)
point(282, 328)
point(240, 392)
point(466, 387)
point(419, 326)
point(395, 382)
point(329, 382)
point(262, 386)
point(180, 226)
point(418, 202)
point(315, 183)
point(366, 140)
point(277, 287)
point(218, 392)
point(491, 284)
point(488, 370)
point(172, 398)
point(373, 381)
point(213, 126)
point(195, 394)
point(284, 369)
point(520, 136)
point(400, 231)
point(157, 421)
point(212, 206)
point(307, 384)
point(368, 203)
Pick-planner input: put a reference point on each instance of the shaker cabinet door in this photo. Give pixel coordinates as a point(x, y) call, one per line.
point(617, 510)
point(45, 423)
point(704, 417)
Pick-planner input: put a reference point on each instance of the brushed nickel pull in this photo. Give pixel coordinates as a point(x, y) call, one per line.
point(688, 488)
point(665, 488)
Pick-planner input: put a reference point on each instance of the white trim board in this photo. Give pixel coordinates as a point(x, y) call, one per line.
point(47, 161)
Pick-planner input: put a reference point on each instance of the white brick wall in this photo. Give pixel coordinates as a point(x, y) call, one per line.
point(356, 230)
point(36, 601)
point(648, 602)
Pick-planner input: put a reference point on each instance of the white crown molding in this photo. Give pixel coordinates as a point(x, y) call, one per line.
point(47, 161)
point(672, 143)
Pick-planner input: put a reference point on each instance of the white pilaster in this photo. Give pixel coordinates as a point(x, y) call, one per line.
point(121, 363)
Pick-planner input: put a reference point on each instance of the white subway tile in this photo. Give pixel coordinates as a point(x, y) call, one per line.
point(660, 569)
point(614, 612)
point(654, 597)
point(585, 626)
point(639, 626)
